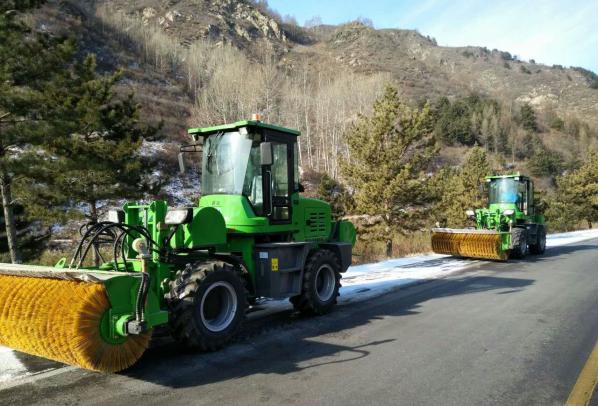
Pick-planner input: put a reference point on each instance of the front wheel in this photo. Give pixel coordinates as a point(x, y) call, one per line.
point(519, 243)
point(540, 244)
point(207, 305)
point(321, 283)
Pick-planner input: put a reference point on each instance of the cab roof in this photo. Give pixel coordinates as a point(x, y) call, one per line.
point(239, 124)
point(513, 175)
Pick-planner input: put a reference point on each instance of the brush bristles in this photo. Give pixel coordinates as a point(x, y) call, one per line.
point(60, 320)
point(470, 245)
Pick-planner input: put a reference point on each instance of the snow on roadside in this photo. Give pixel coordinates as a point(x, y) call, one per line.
point(555, 240)
point(360, 282)
point(11, 367)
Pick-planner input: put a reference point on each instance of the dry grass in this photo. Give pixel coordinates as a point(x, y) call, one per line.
point(51, 257)
point(227, 85)
point(403, 245)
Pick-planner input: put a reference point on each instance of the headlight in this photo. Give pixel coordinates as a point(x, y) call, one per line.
point(116, 216)
point(508, 212)
point(470, 213)
point(178, 216)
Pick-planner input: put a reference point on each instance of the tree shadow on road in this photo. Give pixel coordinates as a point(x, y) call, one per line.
point(553, 253)
point(285, 342)
point(563, 250)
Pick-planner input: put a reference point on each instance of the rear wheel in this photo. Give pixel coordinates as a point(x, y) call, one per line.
point(207, 305)
point(321, 282)
point(540, 244)
point(519, 242)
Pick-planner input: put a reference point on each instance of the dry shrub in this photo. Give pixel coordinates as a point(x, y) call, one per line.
point(403, 245)
point(227, 86)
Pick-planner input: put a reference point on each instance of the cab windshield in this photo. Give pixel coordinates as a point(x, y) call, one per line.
point(504, 190)
point(231, 165)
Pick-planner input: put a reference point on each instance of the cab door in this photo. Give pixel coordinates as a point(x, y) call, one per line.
point(281, 178)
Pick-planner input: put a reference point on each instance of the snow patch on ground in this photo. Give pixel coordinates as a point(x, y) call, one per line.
point(151, 148)
point(11, 367)
point(360, 282)
point(184, 190)
point(555, 240)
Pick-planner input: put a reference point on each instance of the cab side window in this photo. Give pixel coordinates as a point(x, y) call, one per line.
point(280, 182)
point(522, 196)
point(252, 186)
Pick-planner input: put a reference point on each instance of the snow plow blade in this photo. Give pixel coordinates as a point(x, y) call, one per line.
point(470, 243)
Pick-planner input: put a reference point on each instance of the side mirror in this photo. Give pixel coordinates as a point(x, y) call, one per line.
point(181, 163)
point(266, 154)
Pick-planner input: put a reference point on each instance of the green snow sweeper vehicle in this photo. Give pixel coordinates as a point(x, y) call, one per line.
point(195, 269)
point(509, 228)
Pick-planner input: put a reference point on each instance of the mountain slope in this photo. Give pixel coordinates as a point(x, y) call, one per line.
point(426, 70)
point(199, 62)
point(422, 68)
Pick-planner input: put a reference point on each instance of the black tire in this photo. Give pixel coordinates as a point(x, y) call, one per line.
point(519, 242)
point(540, 245)
point(321, 282)
point(207, 303)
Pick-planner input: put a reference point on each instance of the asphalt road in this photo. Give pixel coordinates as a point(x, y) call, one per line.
point(497, 333)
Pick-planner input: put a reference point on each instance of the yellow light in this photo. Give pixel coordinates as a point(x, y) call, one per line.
point(256, 117)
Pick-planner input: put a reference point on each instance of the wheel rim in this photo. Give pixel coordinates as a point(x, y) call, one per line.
point(218, 306)
point(325, 282)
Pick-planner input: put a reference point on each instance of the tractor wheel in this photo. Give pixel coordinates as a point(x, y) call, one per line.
point(519, 242)
point(321, 282)
point(207, 303)
point(540, 245)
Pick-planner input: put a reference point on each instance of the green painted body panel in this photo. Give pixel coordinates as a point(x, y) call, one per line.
point(122, 294)
point(347, 232)
point(237, 213)
point(207, 229)
point(311, 221)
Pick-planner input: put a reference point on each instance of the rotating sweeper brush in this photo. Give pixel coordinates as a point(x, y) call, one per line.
point(63, 320)
point(508, 228)
point(77, 316)
point(187, 268)
point(483, 244)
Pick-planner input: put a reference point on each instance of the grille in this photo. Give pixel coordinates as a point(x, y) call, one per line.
point(316, 224)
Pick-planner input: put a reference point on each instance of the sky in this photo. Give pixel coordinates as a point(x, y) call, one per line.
point(548, 31)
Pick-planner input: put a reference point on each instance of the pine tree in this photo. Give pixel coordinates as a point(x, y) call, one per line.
point(544, 162)
point(528, 118)
point(578, 191)
point(333, 192)
point(458, 190)
point(100, 159)
point(389, 151)
point(29, 63)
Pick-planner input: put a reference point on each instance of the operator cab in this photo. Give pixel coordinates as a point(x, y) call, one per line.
point(511, 190)
point(256, 160)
